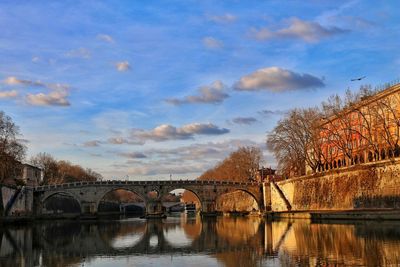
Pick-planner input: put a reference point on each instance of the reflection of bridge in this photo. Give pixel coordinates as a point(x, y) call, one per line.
point(89, 194)
point(234, 241)
point(74, 239)
point(149, 238)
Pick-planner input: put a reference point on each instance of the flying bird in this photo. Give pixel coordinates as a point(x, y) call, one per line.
point(358, 79)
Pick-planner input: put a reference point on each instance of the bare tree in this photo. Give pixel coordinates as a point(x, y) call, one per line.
point(358, 123)
point(338, 128)
point(57, 172)
point(12, 151)
point(241, 165)
point(348, 127)
point(92, 175)
point(387, 123)
point(49, 166)
point(296, 141)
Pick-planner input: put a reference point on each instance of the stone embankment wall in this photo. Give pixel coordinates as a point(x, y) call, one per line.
point(368, 186)
point(237, 201)
point(16, 201)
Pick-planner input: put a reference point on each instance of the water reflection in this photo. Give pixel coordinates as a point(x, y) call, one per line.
point(183, 241)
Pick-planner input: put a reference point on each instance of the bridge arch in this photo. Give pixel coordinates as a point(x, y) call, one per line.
point(248, 193)
point(186, 188)
point(121, 189)
point(74, 198)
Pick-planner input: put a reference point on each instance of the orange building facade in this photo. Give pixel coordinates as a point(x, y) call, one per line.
point(366, 131)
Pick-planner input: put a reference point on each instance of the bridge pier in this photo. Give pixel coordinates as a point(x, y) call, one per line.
point(208, 208)
point(88, 208)
point(37, 208)
point(154, 209)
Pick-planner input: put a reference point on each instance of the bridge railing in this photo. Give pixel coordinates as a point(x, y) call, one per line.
point(153, 182)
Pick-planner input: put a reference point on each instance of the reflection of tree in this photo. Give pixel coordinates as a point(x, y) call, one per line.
point(55, 237)
point(237, 230)
point(333, 244)
point(241, 258)
point(66, 233)
point(241, 232)
point(192, 228)
point(57, 260)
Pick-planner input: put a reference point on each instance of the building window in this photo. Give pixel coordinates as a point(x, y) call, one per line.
point(383, 154)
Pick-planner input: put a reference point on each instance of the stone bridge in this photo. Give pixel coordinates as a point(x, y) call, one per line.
point(90, 194)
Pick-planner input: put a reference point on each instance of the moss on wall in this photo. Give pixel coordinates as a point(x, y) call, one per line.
point(362, 186)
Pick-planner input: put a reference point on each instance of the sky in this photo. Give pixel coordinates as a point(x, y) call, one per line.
point(158, 89)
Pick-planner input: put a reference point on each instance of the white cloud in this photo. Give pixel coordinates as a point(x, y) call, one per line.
point(12, 80)
point(8, 94)
point(35, 59)
point(55, 98)
point(212, 43)
point(165, 169)
point(267, 112)
point(184, 161)
point(93, 143)
point(79, 53)
point(211, 94)
point(132, 155)
point(226, 18)
point(123, 66)
point(105, 37)
point(123, 141)
point(210, 150)
point(167, 132)
point(244, 120)
point(308, 31)
point(276, 79)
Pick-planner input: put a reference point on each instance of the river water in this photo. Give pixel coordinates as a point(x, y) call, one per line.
point(184, 240)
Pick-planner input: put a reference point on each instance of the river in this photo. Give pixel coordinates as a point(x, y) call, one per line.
point(184, 240)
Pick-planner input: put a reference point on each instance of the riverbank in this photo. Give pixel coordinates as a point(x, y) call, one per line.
point(367, 187)
point(366, 214)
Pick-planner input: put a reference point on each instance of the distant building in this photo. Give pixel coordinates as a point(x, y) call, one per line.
point(265, 174)
point(26, 174)
point(31, 175)
point(366, 131)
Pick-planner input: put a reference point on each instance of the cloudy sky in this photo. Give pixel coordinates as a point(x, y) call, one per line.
point(145, 89)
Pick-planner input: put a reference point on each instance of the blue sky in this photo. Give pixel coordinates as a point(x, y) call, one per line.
point(146, 89)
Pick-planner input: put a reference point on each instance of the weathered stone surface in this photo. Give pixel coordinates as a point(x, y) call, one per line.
point(372, 185)
point(236, 201)
point(17, 202)
point(90, 194)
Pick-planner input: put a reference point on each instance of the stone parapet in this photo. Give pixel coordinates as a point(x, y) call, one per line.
point(366, 186)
